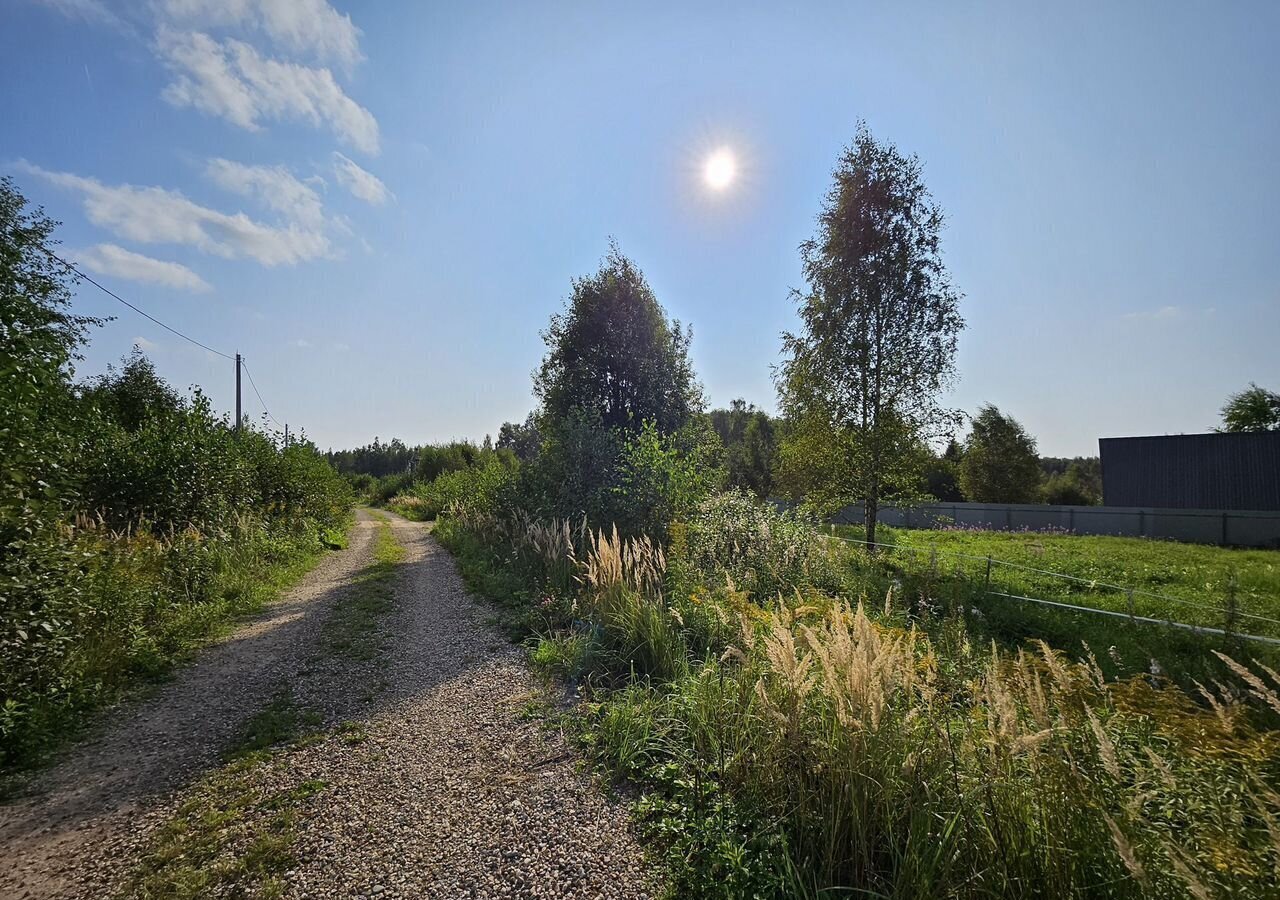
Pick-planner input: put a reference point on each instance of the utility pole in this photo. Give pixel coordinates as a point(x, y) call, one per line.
point(237, 393)
point(286, 435)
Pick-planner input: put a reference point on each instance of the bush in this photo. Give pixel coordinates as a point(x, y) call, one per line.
point(482, 490)
point(132, 520)
point(758, 548)
point(383, 489)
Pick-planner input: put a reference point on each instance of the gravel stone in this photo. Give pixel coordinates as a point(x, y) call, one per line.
point(449, 793)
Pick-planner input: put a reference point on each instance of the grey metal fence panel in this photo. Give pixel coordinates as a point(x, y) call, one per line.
point(1240, 528)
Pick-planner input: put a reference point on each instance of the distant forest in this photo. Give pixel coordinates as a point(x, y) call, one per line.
point(996, 463)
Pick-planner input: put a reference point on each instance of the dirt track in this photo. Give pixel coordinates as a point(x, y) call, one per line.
point(450, 791)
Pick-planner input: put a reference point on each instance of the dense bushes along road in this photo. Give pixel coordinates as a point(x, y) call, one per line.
point(133, 520)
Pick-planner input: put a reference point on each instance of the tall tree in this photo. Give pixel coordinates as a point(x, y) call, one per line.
point(1253, 409)
point(613, 356)
point(1000, 463)
point(522, 440)
point(880, 319)
point(750, 443)
point(942, 474)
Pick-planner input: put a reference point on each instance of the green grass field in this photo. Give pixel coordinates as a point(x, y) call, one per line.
point(1187, 583)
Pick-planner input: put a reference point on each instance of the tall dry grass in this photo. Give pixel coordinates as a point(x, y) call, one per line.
point(824, 750)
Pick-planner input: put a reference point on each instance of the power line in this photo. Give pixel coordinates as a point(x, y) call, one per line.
point(237, 358)
point(140, 312)
point(245, 365)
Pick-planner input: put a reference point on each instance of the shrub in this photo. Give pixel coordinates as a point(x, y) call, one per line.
point(661, 480)
point(132, 519)
point(383, 489)
point(753, 545)
point(481, 490)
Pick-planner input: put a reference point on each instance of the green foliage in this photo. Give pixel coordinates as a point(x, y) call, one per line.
point(525, 441)
point(133, 522)
point(40, 572)
point(576, 473)
point(435, 460)
point(1253, 409)
point(814, 749)
point(481, 488)
point(661, 480)
point(861, 381)
point(1000, 464)
point(941, 479)
point(619, 439)
point(614, 358)
point(750, 443)
point(376, 459)
point(754, 546)
point(132, 395)
point(639, 482)
point(827, 468)
point(1078, 484)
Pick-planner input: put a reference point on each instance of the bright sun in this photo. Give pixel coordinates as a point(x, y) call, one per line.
point(720, 169)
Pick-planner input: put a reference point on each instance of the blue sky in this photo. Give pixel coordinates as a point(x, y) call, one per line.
point(380, 205)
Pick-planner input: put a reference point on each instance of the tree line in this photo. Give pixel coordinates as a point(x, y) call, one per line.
point(622, 432)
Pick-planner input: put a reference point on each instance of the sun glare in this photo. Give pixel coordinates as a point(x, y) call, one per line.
point(720, 169)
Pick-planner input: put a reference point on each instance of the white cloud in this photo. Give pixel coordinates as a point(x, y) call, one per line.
point(94, 12)
point(301, 26)
point(275, 186)
point(143, 344)
point(362, 184)
point(232, 80)
point(153, 215)
point(1164, 313)
point(108, 259)
point(300, 342)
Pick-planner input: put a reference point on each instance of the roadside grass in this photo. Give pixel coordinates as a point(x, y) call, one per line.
point(185, 595)
point(352, 629)
point(234, 835)
point(796, 746)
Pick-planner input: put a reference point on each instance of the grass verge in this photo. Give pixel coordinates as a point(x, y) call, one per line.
point(233, 836)
point(797, 746)
point(159, 602)
point(352, 629)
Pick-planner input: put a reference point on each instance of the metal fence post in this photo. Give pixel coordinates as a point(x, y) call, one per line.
point(1232, 612)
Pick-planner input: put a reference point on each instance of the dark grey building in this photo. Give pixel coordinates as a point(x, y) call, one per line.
point(1193, 471)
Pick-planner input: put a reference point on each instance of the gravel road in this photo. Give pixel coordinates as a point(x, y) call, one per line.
point(450, 791)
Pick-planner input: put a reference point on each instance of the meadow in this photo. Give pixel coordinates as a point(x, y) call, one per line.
point(1229, 592)
point(1193, 583)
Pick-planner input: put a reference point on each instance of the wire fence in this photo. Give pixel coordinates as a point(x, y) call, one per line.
point(1138, 605)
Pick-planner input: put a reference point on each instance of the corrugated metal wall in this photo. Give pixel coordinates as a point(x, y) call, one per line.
point(1235, 528)
point(1193, 471)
